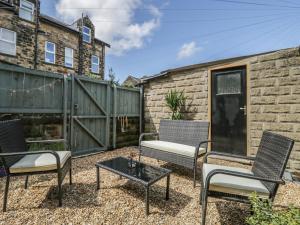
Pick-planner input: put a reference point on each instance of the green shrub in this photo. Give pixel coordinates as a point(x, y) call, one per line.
point(263, 214)
point(175, 101)
point(59, 146)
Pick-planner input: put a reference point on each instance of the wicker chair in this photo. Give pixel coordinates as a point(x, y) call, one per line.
point(237, 184)
point(18, 161)
point(180, 142)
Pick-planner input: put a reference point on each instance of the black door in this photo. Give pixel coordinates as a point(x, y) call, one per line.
point(228, 111)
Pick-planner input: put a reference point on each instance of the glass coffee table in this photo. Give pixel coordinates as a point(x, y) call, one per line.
point(135, 171)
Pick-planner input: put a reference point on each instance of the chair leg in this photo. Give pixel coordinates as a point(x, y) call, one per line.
point(195, 171)
point(59, 184)
point(26, 182)
point(6, 193)
point(201, 193)
point(204, 207)
point(70, 174)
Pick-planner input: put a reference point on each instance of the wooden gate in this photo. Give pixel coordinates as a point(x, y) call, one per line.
point(90, 115)
point(89, 108)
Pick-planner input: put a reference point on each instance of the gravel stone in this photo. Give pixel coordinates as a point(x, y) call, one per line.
point(121, 201)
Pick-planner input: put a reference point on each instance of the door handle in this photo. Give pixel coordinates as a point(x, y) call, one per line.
point(244, 109)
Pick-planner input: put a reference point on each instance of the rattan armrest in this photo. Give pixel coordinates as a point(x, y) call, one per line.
point(199, 145)
point(146, 134)
point(33, 153)
point(227, 155)
point(239, 174)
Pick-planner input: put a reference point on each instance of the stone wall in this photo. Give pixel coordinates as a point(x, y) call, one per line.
point(62, 37)
point(274, 97)
point(61, 40)
point(25, 39)
point(87, 50)
point(194, 83)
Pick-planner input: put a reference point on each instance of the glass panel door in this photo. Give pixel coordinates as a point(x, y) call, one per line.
point(228, 114)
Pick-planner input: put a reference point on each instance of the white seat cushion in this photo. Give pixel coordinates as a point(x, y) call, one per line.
point(180, 149)
point(232, 184)
point(39, 162)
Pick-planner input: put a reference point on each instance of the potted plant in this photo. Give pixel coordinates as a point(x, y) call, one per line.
point(175, 100)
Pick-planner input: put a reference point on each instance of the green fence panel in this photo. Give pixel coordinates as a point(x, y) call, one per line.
point(88, 106)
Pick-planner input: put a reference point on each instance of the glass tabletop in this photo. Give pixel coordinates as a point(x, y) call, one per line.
point(137, 171)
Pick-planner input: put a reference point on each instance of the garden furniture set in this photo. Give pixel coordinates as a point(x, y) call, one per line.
point(178, 142)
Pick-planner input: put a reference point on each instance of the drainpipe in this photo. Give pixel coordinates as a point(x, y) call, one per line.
point(80, 48)
point(37, 14)
point(142, 110)
point(103, 59)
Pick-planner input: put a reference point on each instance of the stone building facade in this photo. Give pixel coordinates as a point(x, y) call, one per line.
point(33, 30)
point(273, 95)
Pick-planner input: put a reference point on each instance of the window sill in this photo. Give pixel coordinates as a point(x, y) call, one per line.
point(8, 55)
point(51, 64)
point(68, 67)
point(89, 43)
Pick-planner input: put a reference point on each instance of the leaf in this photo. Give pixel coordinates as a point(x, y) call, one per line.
point(175, 100)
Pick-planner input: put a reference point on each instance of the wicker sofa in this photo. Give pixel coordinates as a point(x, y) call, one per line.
point(180, 142)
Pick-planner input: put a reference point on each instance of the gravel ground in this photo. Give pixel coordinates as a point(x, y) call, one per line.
point(121, 201)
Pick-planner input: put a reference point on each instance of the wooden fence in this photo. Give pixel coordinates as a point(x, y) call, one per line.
point(88, 106)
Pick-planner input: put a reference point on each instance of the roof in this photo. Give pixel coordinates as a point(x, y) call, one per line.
point(9, 6)
point(133, 78)
point(71, 28)
point(57, 22)
point(204, 64)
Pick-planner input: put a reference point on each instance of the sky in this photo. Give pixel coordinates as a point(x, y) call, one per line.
point(149, 36)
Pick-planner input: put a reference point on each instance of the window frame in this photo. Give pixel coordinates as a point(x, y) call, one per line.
point(88, 34)
point(72, 57)
point(10, 42)
point(26, 9)
point(98, 64)
point(46, 51)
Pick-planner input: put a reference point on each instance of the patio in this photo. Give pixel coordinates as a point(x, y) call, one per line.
point(122, 201)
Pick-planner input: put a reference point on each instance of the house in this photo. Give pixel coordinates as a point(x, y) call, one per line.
point(131, 81)
point(33, 40)
point(240, 97)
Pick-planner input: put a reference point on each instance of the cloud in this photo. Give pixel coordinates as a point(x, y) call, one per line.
point(114, 21)
point(187, 50)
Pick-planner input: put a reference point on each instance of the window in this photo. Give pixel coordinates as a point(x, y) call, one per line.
point(86, 34)
point(26, 10)
point(49, 52)
point(229, 84)
point(95, 64)
point(69, 57)
point(8, 41)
